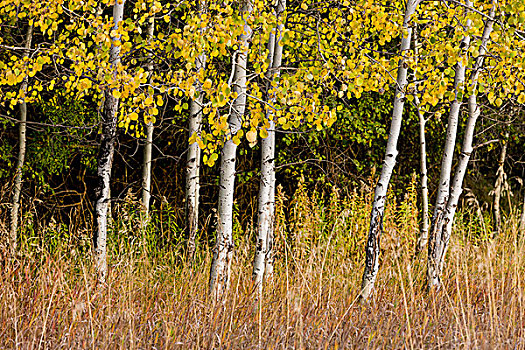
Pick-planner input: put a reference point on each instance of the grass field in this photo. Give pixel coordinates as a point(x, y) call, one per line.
point(50, 298)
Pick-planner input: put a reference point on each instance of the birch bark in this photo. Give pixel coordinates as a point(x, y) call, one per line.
point(146, 170)
point(522, 219)
point(263, 261)
point(148, 147)
point(223, 251)
point(15, 208)
point(194, 157)
point(441, 226)
point(378, 208)
point(423, 233)
point(105, 156)
point(498, 186)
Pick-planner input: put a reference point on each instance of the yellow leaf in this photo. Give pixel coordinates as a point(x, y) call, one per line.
point(149, 119)
point(11, 78)
point(236, 140)
point(115, 93)
point(200, 143)
point(491, 97)
point(193, 138)
point(251, 136)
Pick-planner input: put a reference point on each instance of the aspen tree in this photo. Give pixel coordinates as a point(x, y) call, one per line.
point(441, 225)
point(148, 147)
point(106, 150)
point(498, 186)
point(378, 208)
point(423, 233)
point(194, 153)
point(263, 261)
point(15, 209)
point(448, 150)
point(223, 252)
point(522, 219)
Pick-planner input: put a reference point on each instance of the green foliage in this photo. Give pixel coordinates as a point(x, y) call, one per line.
point(61, 129)
point(6, 149)
point(52, 148)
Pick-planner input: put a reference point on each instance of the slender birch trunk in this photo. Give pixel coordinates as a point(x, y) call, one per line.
point(266, 207)
point(263, 261)
point(441, 227)
point(146, 170)
point(378, 208)
point(105, 156)
point(194, 157)
point(423, 233)
point(223, 252)
point(15, 209)
point(268, 270)
point(434, 244)
point(522, 219)
point(498, 186)
point(148, 147)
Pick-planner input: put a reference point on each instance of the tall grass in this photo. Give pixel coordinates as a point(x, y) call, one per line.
point(50, 299)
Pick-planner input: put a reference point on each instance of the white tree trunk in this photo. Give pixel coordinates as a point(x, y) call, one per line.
point(105, 157)
point(268, 271)
point(15, 209)
point(378, 208)
point(148, 147)
point(263, 261)
point(223, 252)
point(193, 170)
point(423, 232)
point(435, 246)
point(441, 226)
point(266, 206)
point(194, 157)
point(498, 186)
point(146, 170)
point(522, 219)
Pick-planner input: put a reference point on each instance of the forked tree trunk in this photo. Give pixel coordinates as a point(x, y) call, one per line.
point(15, 209)
point(498, 186)
point(148, 147)
point(435, 244)
point(194, 157)
point(441, 227)
point(263, 261)
point(378, 208)
point(105, 157)
point(223, 251)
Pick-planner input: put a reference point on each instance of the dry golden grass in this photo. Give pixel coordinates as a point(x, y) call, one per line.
point(50, 298)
